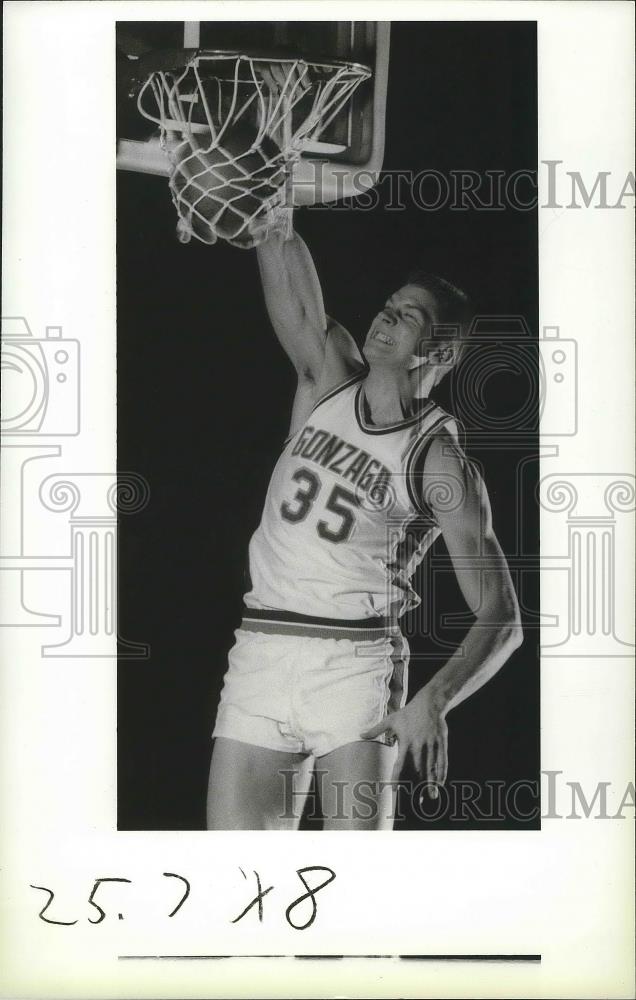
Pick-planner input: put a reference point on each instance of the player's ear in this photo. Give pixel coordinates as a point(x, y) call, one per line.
point(423, 350)
point(445, 358)
point(422, 355)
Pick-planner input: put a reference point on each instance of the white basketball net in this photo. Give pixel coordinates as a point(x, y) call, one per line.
point(233, 126)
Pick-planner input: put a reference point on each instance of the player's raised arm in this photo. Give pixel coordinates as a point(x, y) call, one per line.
point(293, 297)
point(323, 353)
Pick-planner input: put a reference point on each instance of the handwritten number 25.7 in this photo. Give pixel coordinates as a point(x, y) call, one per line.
point(339, 503)
point(98, 909)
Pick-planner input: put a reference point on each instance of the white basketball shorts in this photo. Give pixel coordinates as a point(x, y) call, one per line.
point(309, 685)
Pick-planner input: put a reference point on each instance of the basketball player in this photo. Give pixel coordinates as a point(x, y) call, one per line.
point(370, 474)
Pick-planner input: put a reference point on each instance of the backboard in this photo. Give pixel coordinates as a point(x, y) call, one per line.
point(347, 157)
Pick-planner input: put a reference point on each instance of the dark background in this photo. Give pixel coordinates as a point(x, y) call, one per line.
point(204, 395)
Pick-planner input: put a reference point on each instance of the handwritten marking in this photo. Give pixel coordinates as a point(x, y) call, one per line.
point(310, 894)
point(258, 898)
point(48, 920)
point(185, 895)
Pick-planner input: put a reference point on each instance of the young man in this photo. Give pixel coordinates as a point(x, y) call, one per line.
point(370, 474)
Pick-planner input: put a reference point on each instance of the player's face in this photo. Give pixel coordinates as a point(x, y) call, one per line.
point(402, 327)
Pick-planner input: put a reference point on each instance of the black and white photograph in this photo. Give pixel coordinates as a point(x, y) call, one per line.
point(317, 500)
point(331, 386)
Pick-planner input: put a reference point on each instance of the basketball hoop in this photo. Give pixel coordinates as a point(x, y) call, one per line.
point(233, 127)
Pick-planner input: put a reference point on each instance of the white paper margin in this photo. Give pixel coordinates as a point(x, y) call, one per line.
point(566, 892)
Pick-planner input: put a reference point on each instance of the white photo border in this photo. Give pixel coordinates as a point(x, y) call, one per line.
point(564, 893)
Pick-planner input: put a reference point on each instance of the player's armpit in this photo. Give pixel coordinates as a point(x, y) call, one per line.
point(342, 358)
point(305, 399)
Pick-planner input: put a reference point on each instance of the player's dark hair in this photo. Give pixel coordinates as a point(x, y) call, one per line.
point(454, 306)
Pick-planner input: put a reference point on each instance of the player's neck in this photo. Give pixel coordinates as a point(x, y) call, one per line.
point(390, 396)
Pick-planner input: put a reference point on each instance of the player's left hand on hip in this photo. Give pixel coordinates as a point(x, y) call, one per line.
point(421, 732)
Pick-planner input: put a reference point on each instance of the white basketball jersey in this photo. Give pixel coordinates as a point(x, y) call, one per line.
point(343, 529)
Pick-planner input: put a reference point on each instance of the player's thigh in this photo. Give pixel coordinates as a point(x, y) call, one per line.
point(355, 787)
point(253, 788)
